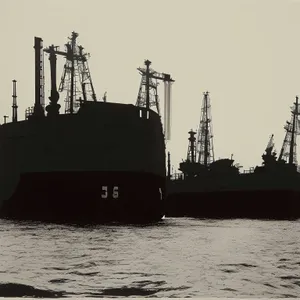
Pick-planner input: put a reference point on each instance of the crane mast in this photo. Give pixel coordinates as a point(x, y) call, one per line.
point(288, 151)
point(205, 147)
point(271, 144)
point(269, 157)
point(148, 95)
point(76, 80)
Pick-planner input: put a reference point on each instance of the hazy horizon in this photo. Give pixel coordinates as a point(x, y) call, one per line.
point(245, 53)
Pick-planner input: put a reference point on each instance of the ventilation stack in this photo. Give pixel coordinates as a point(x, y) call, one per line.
point(14, 106)
point(39, 78)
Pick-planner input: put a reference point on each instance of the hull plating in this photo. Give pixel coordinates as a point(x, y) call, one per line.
point(87, 197)
point(260, 204)
point(56, 169)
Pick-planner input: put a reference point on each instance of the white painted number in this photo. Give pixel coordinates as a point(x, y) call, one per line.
point(115, 192)
point(104, 192)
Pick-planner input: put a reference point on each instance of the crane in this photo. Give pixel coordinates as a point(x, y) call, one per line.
point(270, 144)
point(289, 154)
point(75, 69)
point(269, 157)
point(205, 147)
point(148, 96)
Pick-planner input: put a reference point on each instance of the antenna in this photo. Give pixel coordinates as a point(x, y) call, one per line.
point(14, 106)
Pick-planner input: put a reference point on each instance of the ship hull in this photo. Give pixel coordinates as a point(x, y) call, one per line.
point(104, 163)
point(86, 197)
point(276, 204)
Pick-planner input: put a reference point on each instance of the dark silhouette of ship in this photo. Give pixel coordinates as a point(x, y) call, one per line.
point(98, 162)
point(209, 188)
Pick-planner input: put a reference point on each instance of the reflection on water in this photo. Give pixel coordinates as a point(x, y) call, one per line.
point(176, 258)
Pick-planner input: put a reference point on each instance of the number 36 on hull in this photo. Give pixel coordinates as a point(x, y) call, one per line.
point(113, 192)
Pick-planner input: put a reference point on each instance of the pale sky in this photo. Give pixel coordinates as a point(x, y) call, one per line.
point(245, 53)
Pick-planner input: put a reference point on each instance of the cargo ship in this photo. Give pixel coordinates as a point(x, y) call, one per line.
point(97, 162)
point(209, 188)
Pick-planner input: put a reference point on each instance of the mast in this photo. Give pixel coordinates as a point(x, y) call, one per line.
point(190, 168)
point(169, 166)
point(206, 153)
point(148, 96)
point(293, 134)
point(73, 41)
point(191, 155)
point(14, 106)
point(76, 79)
point(205, 137)
point(147, 63)
point(85, 75)
point(289, 154)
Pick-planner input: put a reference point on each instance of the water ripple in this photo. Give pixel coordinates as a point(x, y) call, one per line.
point(176, 258)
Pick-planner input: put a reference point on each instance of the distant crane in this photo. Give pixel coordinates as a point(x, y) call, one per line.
point(200, 151)
point(271, 144)
point(148, 96)
point(289, 154)
point(76, 79)
point(269, 157)
point(205, 148)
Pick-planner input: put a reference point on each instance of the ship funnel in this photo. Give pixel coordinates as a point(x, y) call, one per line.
point(39, 78)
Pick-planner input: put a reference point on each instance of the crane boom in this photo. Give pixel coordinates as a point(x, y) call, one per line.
point(148, 95)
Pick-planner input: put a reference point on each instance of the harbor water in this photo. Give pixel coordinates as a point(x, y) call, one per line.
point(175, 258)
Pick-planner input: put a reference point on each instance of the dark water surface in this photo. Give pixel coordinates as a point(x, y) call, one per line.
point(176, 258)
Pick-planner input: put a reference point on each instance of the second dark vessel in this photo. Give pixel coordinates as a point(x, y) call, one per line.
point(217, 189)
